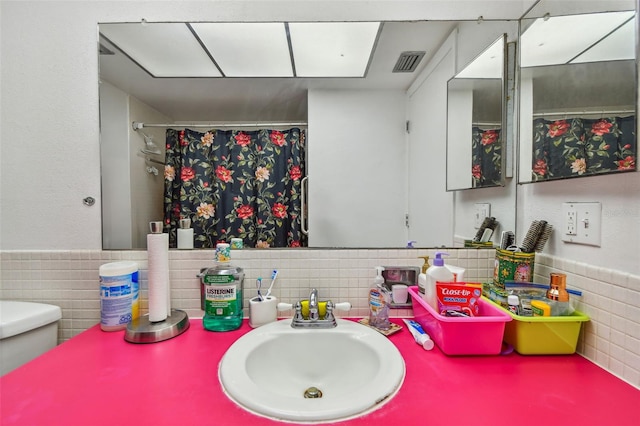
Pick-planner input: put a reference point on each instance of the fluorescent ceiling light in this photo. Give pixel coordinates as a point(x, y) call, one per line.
point(247, 49)
point(163, 49)
point(558, 39)
point(616, 47)
point(333, 49)
point(489, 64)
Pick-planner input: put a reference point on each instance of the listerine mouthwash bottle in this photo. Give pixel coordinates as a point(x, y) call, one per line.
point(223, 286)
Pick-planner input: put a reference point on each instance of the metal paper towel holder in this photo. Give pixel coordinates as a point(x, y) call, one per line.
point(141, 330)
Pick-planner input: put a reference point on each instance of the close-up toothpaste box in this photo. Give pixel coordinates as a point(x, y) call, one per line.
point(458, 298)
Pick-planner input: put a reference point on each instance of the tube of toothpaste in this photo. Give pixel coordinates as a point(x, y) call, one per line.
point(419, 335)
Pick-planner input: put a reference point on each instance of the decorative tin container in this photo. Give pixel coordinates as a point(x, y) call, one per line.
point(513, 266)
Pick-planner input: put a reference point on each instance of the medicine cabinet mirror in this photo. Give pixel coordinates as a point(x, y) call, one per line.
point(475, 120)
point(578, 86)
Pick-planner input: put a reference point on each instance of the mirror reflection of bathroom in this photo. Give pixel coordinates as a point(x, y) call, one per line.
point(578, 86)
point(379, 104)
point(475, 142)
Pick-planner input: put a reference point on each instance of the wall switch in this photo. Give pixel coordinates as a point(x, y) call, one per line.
point(581, 223)
point(482, 210)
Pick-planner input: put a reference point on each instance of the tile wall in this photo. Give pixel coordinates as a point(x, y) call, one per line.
point(611, 299)
point(70, 279)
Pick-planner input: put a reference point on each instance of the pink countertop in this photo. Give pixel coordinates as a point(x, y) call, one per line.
point(97, 378)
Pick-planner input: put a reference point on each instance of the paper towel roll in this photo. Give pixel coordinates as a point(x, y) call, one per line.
point(158, 276)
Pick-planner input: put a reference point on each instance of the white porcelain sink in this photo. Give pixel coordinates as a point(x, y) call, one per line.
point(268, 370)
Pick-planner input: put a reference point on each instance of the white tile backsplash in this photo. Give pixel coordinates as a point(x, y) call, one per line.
point(69, 279)
point(611, 299)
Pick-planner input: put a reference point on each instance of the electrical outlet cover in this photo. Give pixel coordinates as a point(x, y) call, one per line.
point(482, 210)
point(581, 223)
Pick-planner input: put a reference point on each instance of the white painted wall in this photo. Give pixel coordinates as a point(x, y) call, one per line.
point(131, 197)
point(357, 168)
point(620, 198)
point(114, 163)
point(430, 206)
point(502, 200)
point(147, 190)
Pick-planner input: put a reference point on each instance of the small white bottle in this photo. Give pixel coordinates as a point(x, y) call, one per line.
point(514, 302)
point(379, 299)
point(185, 235)
point(436, 273)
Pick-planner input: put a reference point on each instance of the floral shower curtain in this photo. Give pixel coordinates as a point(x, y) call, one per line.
point(487, 157)
point(582, 146)
point(236, 184)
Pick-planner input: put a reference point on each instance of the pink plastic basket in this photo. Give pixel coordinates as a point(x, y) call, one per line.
point(479, 335)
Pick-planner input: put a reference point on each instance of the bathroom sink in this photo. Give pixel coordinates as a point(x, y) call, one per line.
point(312, 375)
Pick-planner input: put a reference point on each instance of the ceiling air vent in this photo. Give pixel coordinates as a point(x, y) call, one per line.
point(408, 61)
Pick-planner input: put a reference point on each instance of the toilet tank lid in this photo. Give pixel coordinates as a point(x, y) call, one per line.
point(18, 317)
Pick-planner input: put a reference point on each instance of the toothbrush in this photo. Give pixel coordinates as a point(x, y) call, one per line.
point(259, 286)
point(274, 275)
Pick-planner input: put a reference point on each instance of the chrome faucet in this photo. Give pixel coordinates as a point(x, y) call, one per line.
point(313, 320)
point(313, 305)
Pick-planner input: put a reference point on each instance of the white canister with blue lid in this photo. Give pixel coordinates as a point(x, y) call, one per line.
point(119, 295)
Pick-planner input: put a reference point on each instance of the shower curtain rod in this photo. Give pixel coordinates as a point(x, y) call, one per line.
point(138, 125)
point(586, 112)
point(486, 123)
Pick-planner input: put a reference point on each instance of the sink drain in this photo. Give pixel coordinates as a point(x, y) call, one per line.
point(313, 392)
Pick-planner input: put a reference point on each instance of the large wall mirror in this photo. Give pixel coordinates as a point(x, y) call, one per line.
point(578, 88)
point(210, 92)
point(475, 143)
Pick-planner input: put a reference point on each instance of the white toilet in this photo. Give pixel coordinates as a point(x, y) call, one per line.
point(27, 330)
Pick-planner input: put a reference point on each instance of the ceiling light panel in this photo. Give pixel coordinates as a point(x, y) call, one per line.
point(620, 45)
point(163, 49)
point(333, 49)
point(489, 64)
point(559, 39)
point(247, 49)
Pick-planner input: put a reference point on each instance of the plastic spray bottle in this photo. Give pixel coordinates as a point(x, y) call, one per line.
point(436, 272)
point(379, 299)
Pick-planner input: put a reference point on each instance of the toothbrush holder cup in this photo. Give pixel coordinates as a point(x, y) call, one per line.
point(262, 312)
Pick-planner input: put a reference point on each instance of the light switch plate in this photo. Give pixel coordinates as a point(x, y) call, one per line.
point(581, 223)
point(482, 210)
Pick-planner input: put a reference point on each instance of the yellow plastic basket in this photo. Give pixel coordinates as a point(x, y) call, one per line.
point(556, 335)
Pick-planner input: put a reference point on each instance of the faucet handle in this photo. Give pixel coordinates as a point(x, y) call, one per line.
point(298, 315)
point(342, 306)
point(328, 316)
point(284, 306)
